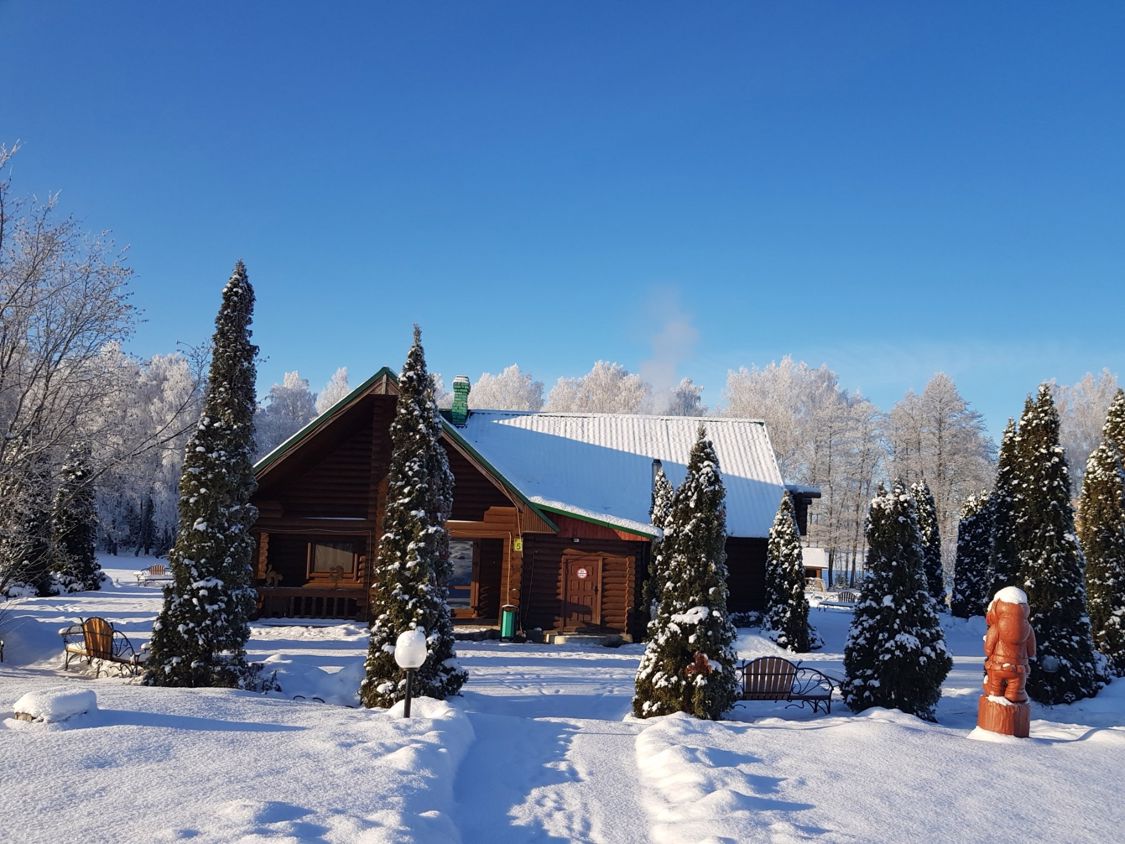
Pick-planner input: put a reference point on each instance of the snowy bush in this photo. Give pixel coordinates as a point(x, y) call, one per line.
point(410, 572)
point(199, 638)
point(787, 607)
point(1067, 667)
point(972, 574)
point(688, 664)
point(895, 654)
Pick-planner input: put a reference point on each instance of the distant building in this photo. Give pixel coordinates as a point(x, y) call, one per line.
point(550, 511)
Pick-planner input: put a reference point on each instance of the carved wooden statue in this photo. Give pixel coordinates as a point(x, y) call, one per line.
point(1008, 646)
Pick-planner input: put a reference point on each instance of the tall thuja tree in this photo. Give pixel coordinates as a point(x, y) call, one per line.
point(688, 664)
point(74, 525)
point(895, 655)
point(25, 520)
point(1003, 557)
point(408, 583)
point(786, 605)
point(972, 574)
point(1114, 429)
point(199, 639)
point(1051, 563)
point(1101, 530)
point(663, 495)
point(931, 541)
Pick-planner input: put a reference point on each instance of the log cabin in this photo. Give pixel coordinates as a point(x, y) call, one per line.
point(550, 510)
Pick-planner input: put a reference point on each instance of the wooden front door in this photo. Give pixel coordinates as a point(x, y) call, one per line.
point(582, 598)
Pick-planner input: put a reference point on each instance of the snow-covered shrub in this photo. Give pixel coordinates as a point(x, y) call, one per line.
point(1051, 563)
point(688, 664)
point(895, 655)
point(412, 567)
point(931, 541)
point(972, 575)
point(1102, 531)
point(787, 607)
point(74, 525)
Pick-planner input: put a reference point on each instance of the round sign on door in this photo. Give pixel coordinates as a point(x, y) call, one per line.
point(582, 574)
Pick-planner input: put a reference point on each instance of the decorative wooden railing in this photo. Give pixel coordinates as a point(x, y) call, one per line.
point(309, 602)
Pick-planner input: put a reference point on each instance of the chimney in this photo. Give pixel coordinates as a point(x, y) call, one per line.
point(460, 409)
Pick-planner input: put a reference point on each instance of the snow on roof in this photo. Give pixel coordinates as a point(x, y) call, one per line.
point(599, 465)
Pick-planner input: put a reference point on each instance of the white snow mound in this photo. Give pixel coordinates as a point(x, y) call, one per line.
point(57, 704)
point(1010, 595)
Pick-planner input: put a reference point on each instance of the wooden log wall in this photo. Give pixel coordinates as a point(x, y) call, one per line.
point(544, 588)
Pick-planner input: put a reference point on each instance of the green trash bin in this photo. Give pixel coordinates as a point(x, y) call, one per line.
point(507, 621)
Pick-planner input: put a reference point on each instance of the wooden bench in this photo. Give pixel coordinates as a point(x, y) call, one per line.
point(156, 573)
point(846, 599)
point(96, 638)
point(776, 678)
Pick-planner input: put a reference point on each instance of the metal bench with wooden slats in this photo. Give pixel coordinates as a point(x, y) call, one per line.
point(95, 638)
point(156, 573)
point(776, 678)
point(846, 599)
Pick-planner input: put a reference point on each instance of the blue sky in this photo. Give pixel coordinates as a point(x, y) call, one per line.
point(887, 188)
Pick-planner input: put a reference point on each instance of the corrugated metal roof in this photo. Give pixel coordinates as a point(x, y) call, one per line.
point(600, 464)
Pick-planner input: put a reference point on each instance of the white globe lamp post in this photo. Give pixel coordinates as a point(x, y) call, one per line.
point(410, 653)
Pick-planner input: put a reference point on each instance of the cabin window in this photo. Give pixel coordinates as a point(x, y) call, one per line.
point(462, 555)
point(332, 560)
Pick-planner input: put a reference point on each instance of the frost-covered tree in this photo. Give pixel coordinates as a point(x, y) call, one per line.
point(787, 607)
point(288, 408)
point(822, 435)
point(1082, 410)
point(686, 399)
point(931, 541)
point(607, 388)
point(199, 638)
point(408, 580)
point(972, 574)
point(74, 525)
point(688, 664)
point(895, 655)
point(663, 494)
point(1101, 530)
point(512, 389)
point(794, 400)
point(336, 388)
point(938, 436)
point(1003, 557)
point(1051, 562)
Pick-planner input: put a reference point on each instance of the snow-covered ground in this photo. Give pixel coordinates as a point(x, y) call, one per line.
point(540, 747)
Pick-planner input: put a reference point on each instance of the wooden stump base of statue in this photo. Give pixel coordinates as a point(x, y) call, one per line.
point(1000, 715)
point(1008, 647)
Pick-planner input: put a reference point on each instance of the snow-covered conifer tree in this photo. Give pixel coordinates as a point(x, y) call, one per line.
point(1051, 563)
point(1101, 529)
point(25, 519)
point(200, 636)
point(972, 575)
point(787, 608)
point(895, 655)
point(931, 541)
point(1003, 557)
point(662, 496)
point(408, 583)
point(688, 664)
point(74, 525)
point(1114, 429)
